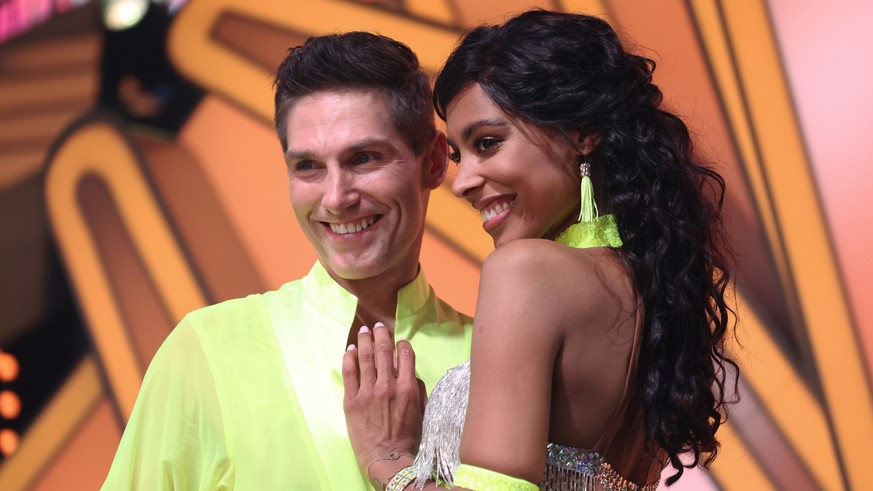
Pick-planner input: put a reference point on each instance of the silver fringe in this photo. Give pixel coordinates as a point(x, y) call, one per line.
point(577, 469)
point(440, 449)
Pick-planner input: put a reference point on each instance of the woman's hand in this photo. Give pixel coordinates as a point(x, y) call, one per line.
point(383, 402)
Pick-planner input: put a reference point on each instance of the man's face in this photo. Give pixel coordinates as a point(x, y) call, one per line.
point(357, 189)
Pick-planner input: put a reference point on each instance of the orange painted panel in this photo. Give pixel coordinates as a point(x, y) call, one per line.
point(242, 158)
point(84, 462)
point(474, 13)
point(818, 42)
point(453, 276)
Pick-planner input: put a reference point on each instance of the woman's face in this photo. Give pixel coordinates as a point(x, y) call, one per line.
point(523, 180)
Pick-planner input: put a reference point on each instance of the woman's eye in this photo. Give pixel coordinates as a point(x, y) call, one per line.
point(454, 155)
point(486, 143)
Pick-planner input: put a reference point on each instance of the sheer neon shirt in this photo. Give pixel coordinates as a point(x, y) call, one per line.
point(247, 394)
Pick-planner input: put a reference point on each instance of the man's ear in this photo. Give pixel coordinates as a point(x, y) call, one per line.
point(436, 161)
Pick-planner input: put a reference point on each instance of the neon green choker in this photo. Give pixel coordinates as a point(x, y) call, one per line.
point(601, 231)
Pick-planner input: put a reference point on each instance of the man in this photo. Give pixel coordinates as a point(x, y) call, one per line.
point(247, 394)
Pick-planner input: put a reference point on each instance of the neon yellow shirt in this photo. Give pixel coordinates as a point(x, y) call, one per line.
point(247, 394)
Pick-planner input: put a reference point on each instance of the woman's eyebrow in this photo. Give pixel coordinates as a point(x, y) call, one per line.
point(470, 128)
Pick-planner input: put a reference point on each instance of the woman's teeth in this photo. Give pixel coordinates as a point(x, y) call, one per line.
point(493, 211)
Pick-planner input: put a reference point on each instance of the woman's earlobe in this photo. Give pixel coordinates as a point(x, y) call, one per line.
point(590, 140)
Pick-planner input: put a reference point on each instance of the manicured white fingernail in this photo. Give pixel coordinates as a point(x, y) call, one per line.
point(378, 324)
point(351, 347)
point(364, 329)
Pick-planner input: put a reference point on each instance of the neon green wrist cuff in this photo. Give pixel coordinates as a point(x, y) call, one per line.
point(479, 479)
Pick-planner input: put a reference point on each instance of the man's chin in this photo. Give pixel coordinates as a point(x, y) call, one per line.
point(355, 274)
point(352, 270)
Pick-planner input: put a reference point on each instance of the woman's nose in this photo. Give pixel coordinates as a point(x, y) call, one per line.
point(466, 180)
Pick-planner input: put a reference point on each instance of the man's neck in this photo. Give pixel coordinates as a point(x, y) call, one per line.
point(375, 304)
point(377, 299)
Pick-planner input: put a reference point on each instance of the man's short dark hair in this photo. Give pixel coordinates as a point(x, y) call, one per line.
point(359, 61)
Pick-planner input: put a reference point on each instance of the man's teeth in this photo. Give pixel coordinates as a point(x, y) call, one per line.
point(489, 213)
point(353, 227)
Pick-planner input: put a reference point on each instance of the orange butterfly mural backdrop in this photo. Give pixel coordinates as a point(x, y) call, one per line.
point(151, 228)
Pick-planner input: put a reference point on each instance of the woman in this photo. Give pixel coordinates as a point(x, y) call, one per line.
point(596, 360)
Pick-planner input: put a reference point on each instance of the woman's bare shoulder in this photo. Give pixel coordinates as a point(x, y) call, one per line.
point(561, 283)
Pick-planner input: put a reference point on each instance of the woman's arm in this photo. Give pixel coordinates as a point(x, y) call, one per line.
point(516, 340)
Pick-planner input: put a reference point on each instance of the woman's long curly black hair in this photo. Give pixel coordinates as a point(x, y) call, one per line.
point(570, 73)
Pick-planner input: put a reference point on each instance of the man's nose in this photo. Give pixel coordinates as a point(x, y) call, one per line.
point(466, 180)
point(340, 191)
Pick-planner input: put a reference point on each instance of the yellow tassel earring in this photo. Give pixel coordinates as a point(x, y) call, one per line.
point(588, 207)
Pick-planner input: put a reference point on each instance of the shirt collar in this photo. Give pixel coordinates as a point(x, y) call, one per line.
point(331, 299)
point(412, 296)
point(340, 304)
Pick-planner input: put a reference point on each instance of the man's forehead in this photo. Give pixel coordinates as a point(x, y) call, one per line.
point(328, 104)
point(339, 119)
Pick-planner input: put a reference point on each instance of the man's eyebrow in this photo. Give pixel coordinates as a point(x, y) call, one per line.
point(355, 147)
point(475, 125)
point(292, 154)
point(368, 143)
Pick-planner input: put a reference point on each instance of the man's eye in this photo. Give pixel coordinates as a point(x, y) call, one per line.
point(305, 165)
point(362, 158)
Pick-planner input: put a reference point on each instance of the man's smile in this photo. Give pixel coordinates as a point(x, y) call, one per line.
point(353, 226)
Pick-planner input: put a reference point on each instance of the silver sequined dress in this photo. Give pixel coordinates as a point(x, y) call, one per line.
point(567, 468)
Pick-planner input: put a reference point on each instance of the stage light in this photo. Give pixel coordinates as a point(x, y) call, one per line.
point(8, 367)
point(8, 442)
point(119, 15)
point(10, 405)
